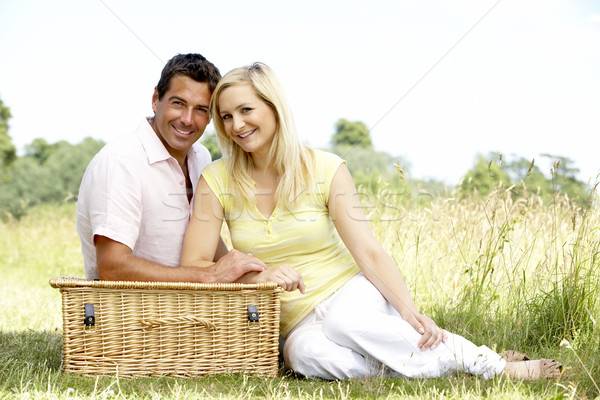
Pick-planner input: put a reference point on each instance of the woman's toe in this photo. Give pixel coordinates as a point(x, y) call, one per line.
point(550, 368)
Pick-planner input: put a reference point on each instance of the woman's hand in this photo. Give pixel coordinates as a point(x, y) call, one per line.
point(285, 276)
point(433, 335)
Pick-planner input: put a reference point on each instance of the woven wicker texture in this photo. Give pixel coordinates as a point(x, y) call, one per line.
point(164, 328)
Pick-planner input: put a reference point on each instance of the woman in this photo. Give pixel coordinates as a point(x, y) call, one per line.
point(346, 311)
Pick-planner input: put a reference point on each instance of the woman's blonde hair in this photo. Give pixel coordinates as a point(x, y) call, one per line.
point(290, 159)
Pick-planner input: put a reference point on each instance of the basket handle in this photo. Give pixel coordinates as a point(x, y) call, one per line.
point(153, 323)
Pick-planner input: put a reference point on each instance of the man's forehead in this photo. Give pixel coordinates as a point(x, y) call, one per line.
point(189, 90)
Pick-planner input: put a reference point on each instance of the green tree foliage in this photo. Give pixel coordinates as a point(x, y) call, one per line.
point(46, 173)
point(528, 176)
point(41, 150)
point(351, 133)
point(209, 140)
point(374, 172)
point(8, 153)
point(483, 178)
point(525, 177)
point(370, 169)
point(564, 178)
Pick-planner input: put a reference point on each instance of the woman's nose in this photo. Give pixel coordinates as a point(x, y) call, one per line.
point(238, 123)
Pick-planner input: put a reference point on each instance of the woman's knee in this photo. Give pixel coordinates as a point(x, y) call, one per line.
point(304, 352)
point(311, 354)
point(307, 344)
point(342, 325)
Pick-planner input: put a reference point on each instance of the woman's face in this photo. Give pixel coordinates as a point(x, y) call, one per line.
point(248, 120)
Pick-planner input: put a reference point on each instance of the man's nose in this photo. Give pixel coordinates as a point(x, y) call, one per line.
point(186, 116)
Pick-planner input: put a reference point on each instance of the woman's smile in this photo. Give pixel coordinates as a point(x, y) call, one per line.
point(245, 135)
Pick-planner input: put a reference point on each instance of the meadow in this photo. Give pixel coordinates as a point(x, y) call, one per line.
point(509, 272)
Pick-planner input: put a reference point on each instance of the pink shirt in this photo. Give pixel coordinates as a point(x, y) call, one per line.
point(134, 192)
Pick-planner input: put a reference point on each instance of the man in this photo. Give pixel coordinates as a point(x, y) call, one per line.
point(134, 199)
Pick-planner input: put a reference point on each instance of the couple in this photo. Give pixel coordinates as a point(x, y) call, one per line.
point(294, 219)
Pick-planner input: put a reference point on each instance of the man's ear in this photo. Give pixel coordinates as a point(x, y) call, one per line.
point(154, 100)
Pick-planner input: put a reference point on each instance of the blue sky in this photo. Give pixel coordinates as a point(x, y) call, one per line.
point(436, 81)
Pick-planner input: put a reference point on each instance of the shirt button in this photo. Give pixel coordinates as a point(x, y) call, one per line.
point(181, 182)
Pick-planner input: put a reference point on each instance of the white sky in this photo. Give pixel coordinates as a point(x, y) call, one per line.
point(437, 81)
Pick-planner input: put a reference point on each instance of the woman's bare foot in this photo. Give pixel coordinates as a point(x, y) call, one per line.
point(532, 370)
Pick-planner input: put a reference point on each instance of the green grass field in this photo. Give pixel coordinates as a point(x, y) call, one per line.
point(511, 274)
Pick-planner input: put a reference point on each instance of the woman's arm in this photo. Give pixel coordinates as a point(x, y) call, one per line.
point(203, 236)
point(202, 239)
point(204, 230)
point(373, 260)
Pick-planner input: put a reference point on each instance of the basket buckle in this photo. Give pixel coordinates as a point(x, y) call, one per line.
point(253, 322)
point(89, 322)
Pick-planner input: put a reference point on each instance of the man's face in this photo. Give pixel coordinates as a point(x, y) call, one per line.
point(181, 115)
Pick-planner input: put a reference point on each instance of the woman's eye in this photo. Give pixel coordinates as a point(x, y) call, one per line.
point(226, 116)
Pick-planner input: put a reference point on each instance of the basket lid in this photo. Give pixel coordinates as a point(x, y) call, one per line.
point(71, 282)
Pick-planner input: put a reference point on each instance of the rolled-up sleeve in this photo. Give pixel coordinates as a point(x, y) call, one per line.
point(115, 201)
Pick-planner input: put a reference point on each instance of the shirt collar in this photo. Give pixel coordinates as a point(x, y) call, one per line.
point(155, 149)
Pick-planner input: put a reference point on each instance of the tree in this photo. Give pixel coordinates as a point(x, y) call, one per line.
point(371, 169)
point(41, 150)
point(564, 178)
point(521, 170)
point(525, 177)
point(49, 172)
point(483, 178)
point(8, 152)
point(210, 142)
point(68, 164)
point(352, 134)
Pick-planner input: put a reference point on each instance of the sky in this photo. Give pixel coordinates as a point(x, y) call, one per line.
point(437, 82)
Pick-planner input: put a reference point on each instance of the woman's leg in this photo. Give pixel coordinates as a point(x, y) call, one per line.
point(359, 318)
point(309, 352)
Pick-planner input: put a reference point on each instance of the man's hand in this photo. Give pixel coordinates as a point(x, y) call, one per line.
point(234, 265)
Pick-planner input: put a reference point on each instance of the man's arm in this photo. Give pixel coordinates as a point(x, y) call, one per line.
point(116, 262)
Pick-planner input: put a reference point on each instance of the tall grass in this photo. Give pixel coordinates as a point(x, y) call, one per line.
point(505, 272)
point(509, 273)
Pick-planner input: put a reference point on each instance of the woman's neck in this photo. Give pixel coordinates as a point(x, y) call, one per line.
point(260, 164)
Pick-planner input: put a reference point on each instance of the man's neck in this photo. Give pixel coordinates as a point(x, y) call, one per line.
point(188, 181)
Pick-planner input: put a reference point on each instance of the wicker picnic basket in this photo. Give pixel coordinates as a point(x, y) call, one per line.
point(165, 328)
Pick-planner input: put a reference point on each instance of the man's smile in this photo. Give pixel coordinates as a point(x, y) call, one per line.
point(183, 132)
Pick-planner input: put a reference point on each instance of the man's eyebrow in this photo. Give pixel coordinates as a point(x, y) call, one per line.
point(177, 98)
point(185, 101)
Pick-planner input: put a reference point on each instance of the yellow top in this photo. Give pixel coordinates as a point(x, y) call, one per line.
point(304, 238)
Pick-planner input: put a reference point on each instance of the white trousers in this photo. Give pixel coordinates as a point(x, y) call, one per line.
point(356, 333)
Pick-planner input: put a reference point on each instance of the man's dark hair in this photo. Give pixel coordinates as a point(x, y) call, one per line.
point(192, 65)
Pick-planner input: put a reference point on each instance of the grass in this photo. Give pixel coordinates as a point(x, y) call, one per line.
point(511, 274)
